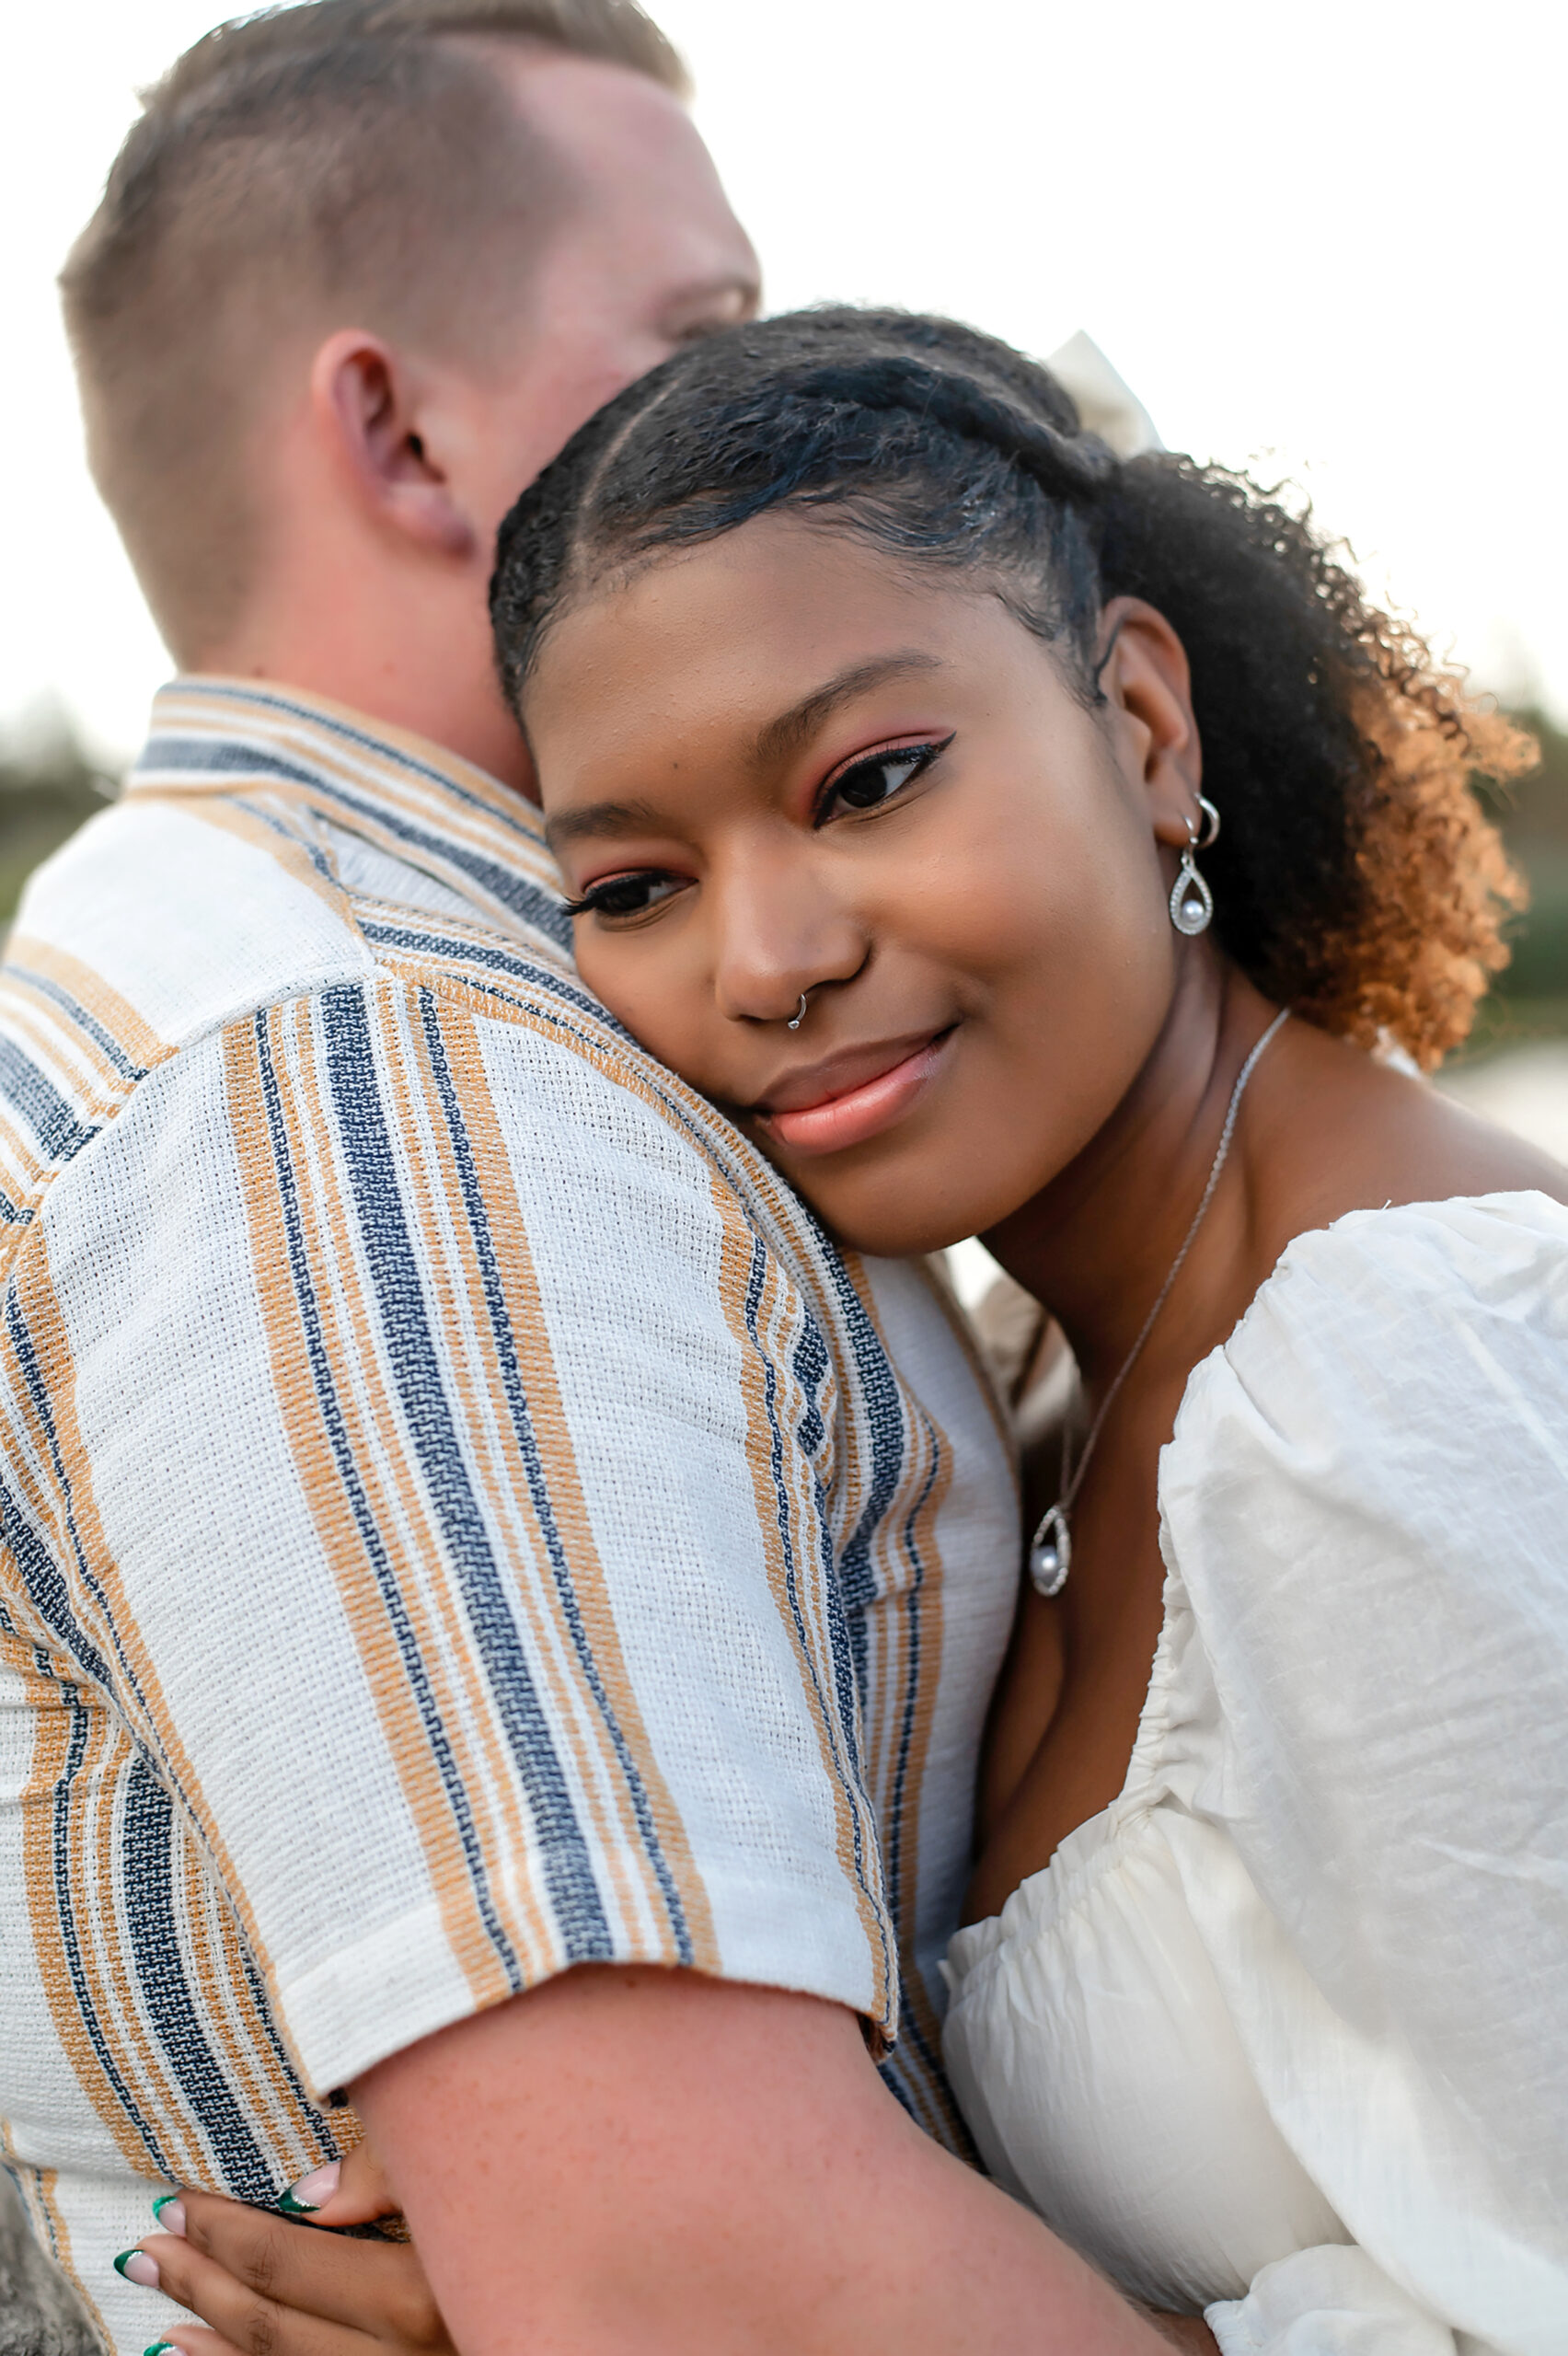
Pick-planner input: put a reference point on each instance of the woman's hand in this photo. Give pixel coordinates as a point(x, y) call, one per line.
point(270, 2287)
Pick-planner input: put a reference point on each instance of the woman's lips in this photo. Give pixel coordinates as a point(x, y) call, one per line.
point(862, 1111)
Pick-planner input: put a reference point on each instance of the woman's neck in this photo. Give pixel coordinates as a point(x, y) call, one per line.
point(1097, 1244)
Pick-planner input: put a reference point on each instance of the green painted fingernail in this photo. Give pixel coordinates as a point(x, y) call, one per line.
point(161, 2348)
point(146, 2278)
point(312, 2192)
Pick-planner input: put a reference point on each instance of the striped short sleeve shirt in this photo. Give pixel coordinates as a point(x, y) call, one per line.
point(459, 1515)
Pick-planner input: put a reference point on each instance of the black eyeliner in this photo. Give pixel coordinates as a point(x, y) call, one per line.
point(923, 755)
point(595, 900)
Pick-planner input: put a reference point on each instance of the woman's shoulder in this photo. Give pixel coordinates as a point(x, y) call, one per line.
point(1378, 1457)
point(1367, 1486)
point(1388, 1315)
point(1363, 1509)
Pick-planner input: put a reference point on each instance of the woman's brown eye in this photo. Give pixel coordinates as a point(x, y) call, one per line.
point(623, 895)
point(870, 782)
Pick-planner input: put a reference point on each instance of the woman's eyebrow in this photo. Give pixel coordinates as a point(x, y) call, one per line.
point(773, 743)
point(793, 728)
point(601, 818)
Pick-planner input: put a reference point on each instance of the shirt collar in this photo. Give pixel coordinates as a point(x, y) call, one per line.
point(414, 799)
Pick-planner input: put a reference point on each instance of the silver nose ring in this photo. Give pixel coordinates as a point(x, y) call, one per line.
point(796, 1019)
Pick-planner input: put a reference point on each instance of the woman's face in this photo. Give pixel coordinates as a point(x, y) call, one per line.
point(780, 763)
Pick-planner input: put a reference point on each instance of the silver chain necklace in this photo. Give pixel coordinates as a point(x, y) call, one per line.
point(1051, 1549)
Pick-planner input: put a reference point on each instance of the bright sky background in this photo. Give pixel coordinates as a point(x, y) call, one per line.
point(1328, 240)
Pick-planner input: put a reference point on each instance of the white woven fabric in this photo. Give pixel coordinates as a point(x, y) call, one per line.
point(1282, 2034)
point(459, 1518)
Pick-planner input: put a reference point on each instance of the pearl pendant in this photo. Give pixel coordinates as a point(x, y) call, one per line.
point(1191, 902)
point(1051, 1553)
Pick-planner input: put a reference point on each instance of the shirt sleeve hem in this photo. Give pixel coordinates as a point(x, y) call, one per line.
point(401, 1981)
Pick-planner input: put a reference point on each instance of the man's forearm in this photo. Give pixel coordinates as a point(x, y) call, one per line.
point(639, 2163)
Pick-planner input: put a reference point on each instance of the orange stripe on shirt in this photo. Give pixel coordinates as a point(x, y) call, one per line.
point(345, 1318)
point(135, 1038)
point(526, 1317)
point(855, 1833)
point(74, 1508)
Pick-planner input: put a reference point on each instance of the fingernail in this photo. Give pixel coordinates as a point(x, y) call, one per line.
point(161, 2348)
point(137, 2267)
point(312, 2192)
point(169, 2211)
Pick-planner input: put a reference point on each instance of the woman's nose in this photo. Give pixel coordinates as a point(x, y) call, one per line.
point(780, 937)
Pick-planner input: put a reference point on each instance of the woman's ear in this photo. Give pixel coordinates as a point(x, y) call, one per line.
point(366, 403)
point(1143, 678)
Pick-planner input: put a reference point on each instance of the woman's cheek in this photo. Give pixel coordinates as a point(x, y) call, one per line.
point(1075, 998)
point(664, 1010)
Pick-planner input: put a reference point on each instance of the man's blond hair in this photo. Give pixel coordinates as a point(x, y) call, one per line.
point(353, 156)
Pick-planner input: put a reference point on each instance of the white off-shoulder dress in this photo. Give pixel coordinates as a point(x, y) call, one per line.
point(1282, 2034)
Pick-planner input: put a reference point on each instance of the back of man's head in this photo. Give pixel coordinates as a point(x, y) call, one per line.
point(344, 159)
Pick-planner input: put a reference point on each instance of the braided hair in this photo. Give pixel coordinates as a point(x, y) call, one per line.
point(1357, 879)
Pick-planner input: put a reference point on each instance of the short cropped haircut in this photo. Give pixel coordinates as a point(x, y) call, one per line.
point(352, 156)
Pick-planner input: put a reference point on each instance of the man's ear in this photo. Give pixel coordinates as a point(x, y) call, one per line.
point(1143, 678)
point(366, 405)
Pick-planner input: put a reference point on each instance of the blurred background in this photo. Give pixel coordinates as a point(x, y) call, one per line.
point(1324, 243)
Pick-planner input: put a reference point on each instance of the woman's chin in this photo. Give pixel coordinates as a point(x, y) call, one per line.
point(898, 1243)
point(901, 1230)
point(918, 1187)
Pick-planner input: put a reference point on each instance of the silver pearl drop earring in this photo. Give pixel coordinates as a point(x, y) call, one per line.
point(1191, 902)
point(796, 1019)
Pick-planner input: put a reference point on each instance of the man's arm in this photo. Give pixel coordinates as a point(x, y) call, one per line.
point(632, 2162)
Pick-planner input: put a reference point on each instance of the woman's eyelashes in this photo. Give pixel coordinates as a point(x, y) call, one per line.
point(875, 779)
point(865, 784)
point(626, 897)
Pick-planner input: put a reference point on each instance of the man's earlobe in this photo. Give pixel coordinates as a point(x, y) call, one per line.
point(364, 405)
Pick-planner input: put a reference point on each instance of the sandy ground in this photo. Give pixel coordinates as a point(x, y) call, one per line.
point(38, 2316)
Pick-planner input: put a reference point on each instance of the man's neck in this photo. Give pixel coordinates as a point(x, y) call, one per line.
point(426, 676)
point(476, 725)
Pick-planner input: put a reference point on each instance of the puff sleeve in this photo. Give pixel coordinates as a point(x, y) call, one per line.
point(1367, 1502)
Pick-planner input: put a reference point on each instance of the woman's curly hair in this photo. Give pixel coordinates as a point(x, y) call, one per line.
point(1356, 878)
